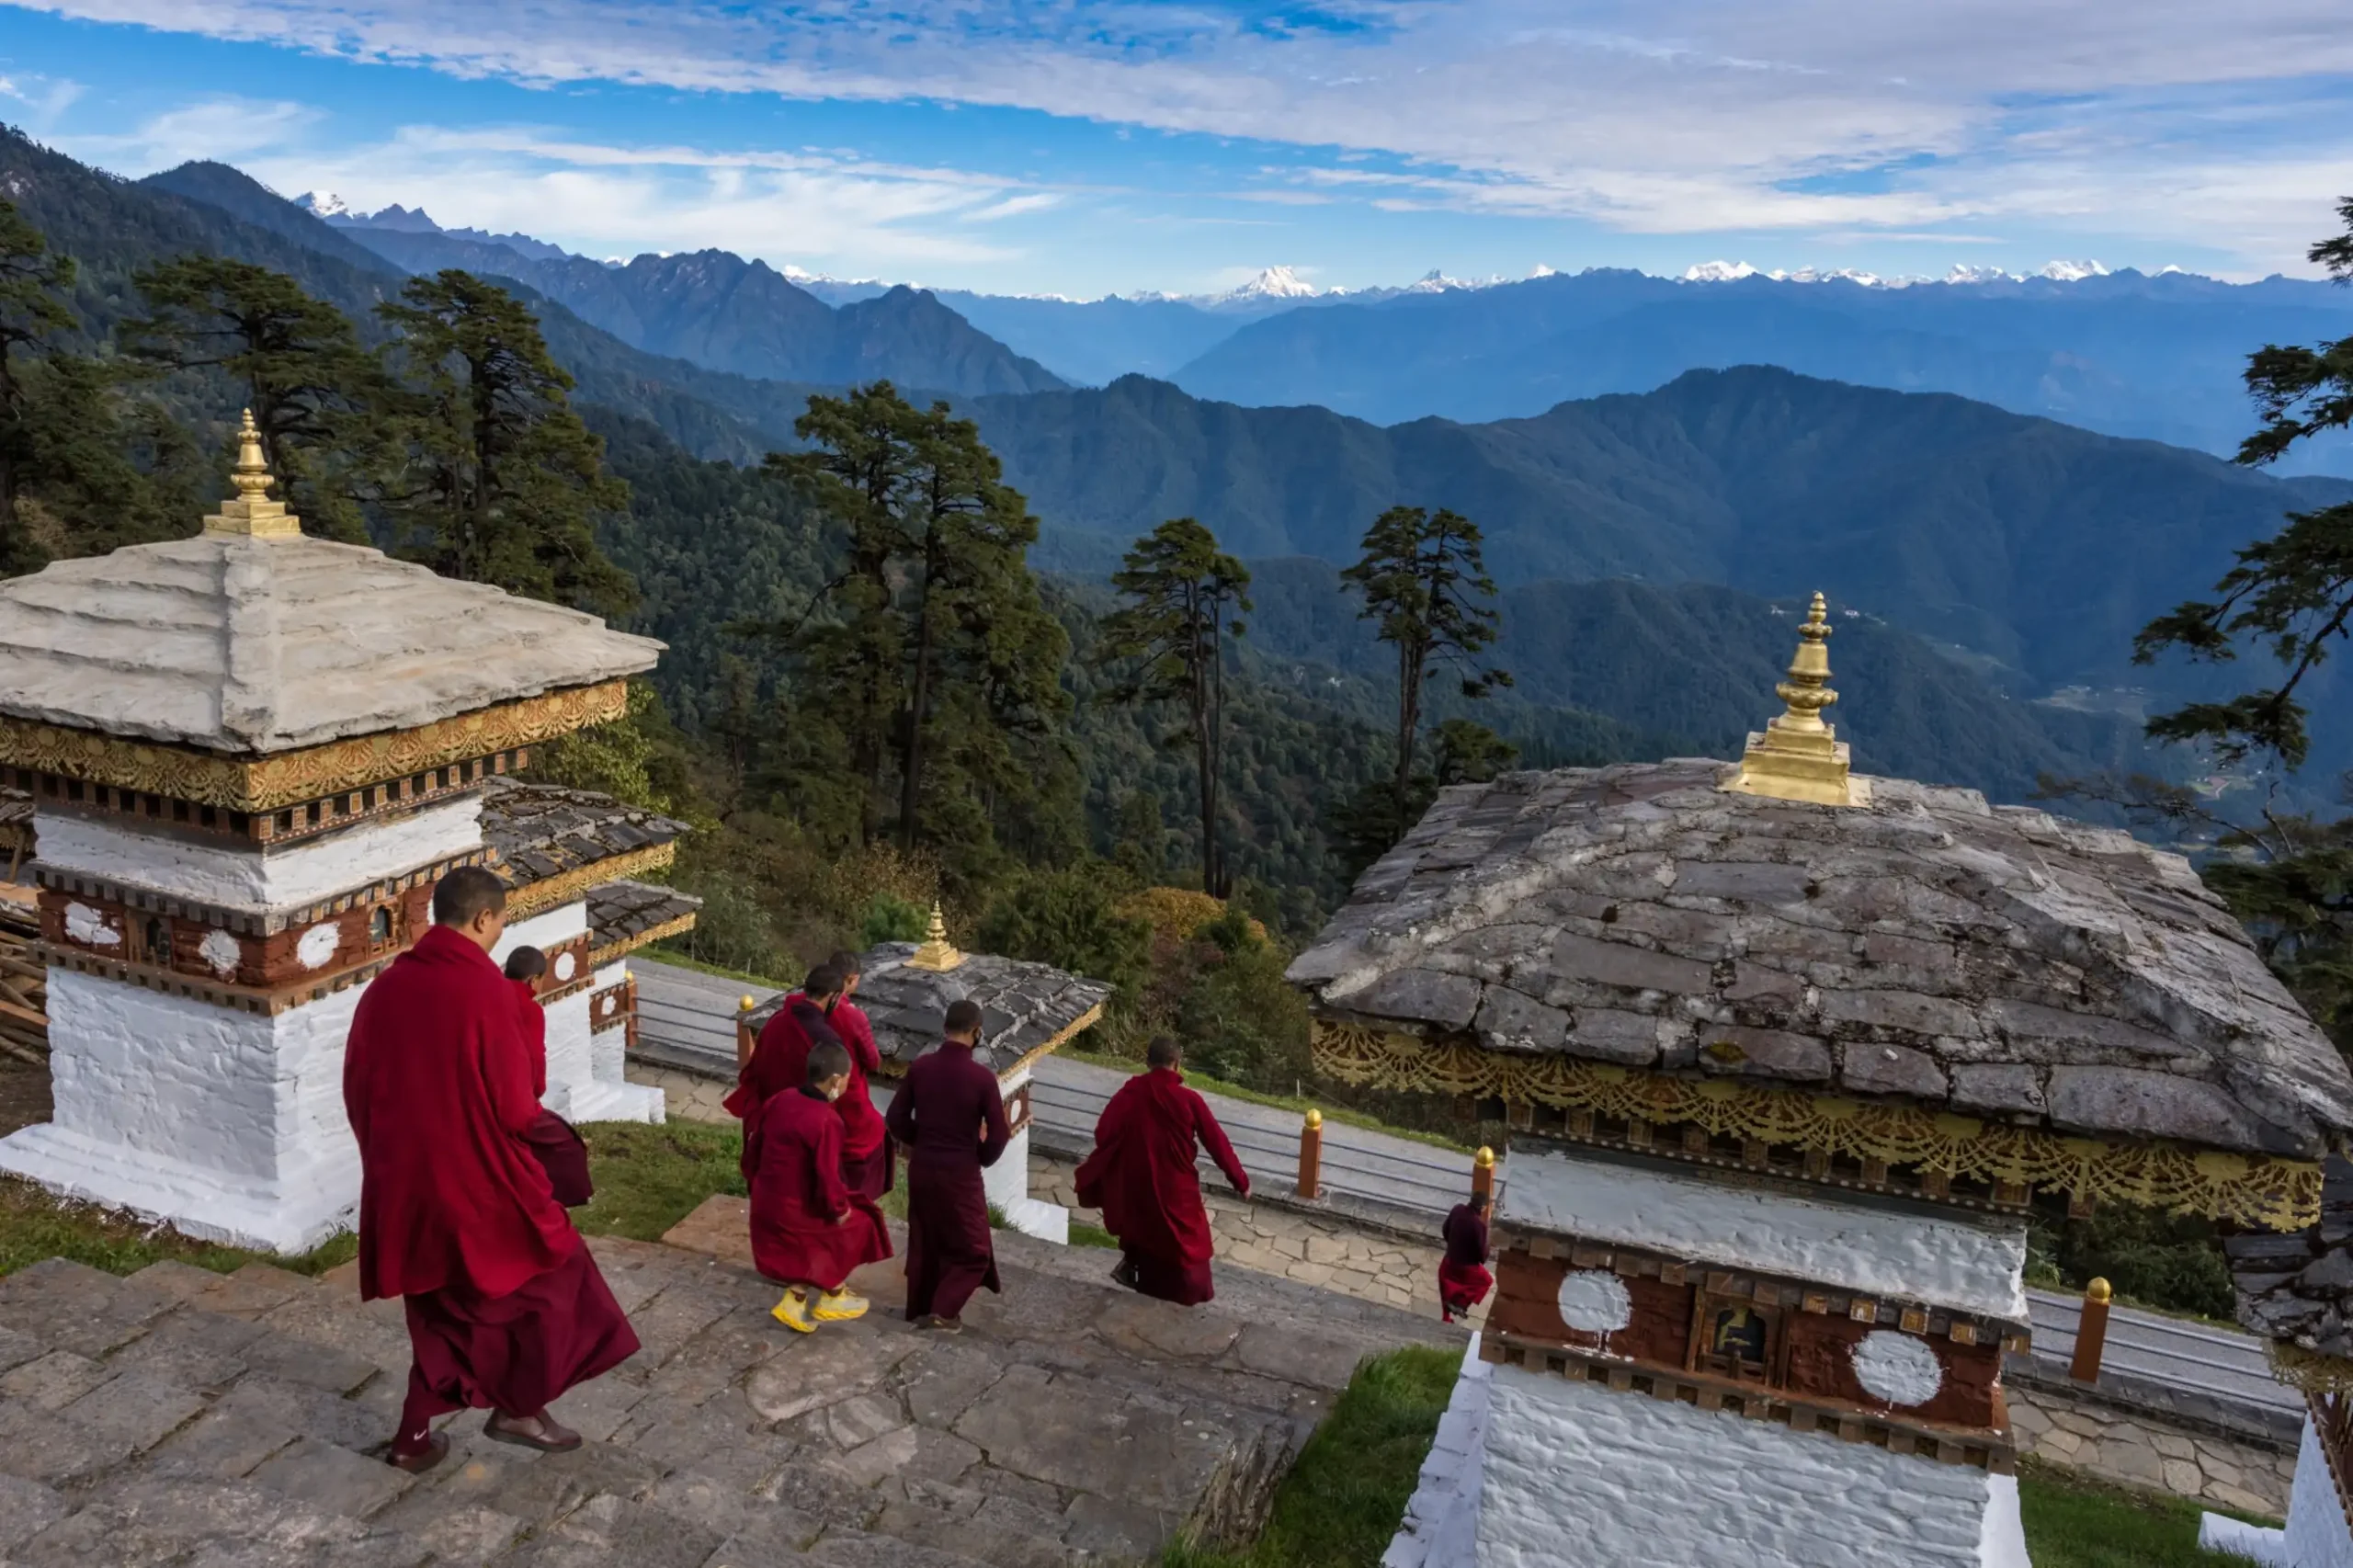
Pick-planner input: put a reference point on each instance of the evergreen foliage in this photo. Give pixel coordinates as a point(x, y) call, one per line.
point(1184, 597)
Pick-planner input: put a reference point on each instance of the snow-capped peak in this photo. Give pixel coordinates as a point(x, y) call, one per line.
point(2072, 271)
point(1718, 272)
point(323, 204)
point(1542, 270)
point(1275, 283)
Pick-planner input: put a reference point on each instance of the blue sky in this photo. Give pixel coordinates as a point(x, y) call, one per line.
point(1090, 146)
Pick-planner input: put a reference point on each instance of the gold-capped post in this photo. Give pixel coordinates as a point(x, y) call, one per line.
point(935, 954)
point(1798, 756)
point(251, 513)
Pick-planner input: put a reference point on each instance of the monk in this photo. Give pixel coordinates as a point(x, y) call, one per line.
point(808, 1230)
point(866, 1159)
point(561, 1152)
point(780, 1062)
point(506, 1308)
point(1462, 1278)
point(949, 1116)
point(1142, 1175)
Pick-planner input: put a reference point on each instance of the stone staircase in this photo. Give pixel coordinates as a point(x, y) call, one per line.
point(184, 1418)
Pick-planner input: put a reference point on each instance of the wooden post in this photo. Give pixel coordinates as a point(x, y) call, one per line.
point(745, 1040)
point(1482, 1177)
point(2091, 1334)
point(1310, 1155)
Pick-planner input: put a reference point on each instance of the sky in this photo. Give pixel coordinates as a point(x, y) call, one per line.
point(1083, 147)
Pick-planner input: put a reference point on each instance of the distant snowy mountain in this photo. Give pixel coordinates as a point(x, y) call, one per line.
point(400, 219)
point(2056, 271)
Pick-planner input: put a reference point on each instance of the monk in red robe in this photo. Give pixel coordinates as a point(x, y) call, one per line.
point(780, 1062)
point(948, 1114)
point(561, 1152)
point(1462, 1278)
point(809, 1231)
point(866, 1159)
point(506, 1308)
point(1141, 1174)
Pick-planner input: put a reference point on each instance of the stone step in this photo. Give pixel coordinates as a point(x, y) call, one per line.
point(181, 1416)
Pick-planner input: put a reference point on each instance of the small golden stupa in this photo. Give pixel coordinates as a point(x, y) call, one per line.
point(1799, 757)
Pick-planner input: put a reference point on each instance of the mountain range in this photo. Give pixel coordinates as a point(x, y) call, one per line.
point(1996, 559)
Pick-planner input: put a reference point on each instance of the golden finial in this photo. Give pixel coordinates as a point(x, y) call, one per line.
point(746, 1004)
point(2097, 1291)
point(1485, 1159)
point(935, 954)
point(1798, 756)
point(1315, 1119)
point(252, 514)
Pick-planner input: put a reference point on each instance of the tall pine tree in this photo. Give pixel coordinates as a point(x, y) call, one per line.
point(502, 481)
point(34, 283)
point(1185, 597)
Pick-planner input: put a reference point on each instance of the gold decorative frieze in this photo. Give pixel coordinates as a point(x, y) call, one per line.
point(569, 887)
point(2280, 1194)
point(268, 783)
point(612, 953)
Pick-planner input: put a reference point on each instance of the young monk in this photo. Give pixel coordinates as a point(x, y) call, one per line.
point(809, 1231)
point(949, 1116)
point(1143, 1176)
point(561, 1152)
point(506, 1308)
point(866, 1160)
point(780, 1062)
point(1462, 1278)
point(524, 967)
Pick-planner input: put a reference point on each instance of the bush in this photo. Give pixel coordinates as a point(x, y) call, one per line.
point(2173, 1262)
point(734, 931)
point(1069, 919)
point(890, 918)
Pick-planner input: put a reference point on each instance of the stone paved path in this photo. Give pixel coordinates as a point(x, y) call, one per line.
point(196, 1420)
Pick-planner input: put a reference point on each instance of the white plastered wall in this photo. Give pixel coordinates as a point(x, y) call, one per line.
point(228, 1124)
point(2316, 1536)
point(1575, 1472)
point(586, 1081)
point(258, 880)
point(1007, 1184)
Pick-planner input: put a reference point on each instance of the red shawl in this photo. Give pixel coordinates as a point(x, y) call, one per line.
point(780, 1060)
point(532, 1019)
point(1141, 1174)
point(862, 1130)
point(807, 1227)
point(436, 1081)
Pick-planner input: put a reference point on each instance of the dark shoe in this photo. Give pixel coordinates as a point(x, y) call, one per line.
point(436, 1449)
point(1123, 1274)
point(943, 1325)
point(538, 1432)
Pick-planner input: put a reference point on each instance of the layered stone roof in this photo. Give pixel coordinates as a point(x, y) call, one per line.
point(543, 832)
point(250, 646)
point(1025, 1009)
point(623, 915)
point(2297, 1289)
point(1925, 948)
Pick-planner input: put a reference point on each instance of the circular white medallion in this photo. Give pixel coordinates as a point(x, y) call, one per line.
point(89, 928)
point(218, 951)
point(1594, 1301)
point(564, 964)
point(317, 948)
point(1897, 1368)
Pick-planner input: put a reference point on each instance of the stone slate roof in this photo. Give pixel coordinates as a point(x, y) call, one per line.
point(1023, 1005)
point(2298, 1287)
point(545, 830)
point(258, 646)
point(623, 911)
point(1995, 961)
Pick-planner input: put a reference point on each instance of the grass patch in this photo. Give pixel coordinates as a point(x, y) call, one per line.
point(1342, 1502)
point(1300, 1103)
point(649, 1179)
point(2072, 1522)
point(1083, 1235)
point(34, 1225)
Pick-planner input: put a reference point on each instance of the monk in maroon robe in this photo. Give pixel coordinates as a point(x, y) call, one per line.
point(1141, 1174)
point(561, 1152)
point(779, 1061)
point(948, 1114)
point(809, 1231)
point(506, 1308)
point(1462, 1278)
point(866, 1159)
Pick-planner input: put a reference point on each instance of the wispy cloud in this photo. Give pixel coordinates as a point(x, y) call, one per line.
point(1649, 116)
point(43, 98)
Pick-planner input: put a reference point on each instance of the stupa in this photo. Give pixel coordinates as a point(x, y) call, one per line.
point(1788, 1054)
point(250, 755)
point(1028, 1011)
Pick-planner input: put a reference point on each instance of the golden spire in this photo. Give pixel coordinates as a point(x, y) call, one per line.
point(1799, 757)
point(252, 514)
point(935, 953)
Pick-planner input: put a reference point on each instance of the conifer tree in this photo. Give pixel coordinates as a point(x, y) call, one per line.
point(503, 483)
point(324, 404)
point(33, 312)
point(1185, 597)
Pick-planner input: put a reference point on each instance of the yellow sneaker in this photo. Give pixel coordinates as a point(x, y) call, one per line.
point(794, 1312)
point(839, 1306)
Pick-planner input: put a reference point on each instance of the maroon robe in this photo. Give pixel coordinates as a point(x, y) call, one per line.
point(948, 1114)
point(1143, 1176)
point(866, 1159)
point(807, 1227)
point(1462, 1278)
point(506, 1308)
point(779, 1059)
point(558, 1149)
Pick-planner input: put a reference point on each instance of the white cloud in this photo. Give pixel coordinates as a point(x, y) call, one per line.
point(44, 98)
point(225, 127)
point(1650, 116)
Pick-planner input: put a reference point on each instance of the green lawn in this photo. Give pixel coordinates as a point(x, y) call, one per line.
point(2076, 1523)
